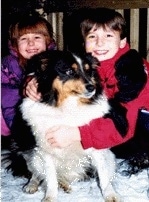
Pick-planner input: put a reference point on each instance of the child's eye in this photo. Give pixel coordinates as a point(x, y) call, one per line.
point(109, 35)
point(37, 37)
point(22, 38)
point(91, 37)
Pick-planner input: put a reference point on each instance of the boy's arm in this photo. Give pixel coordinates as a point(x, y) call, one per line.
point(101, 133)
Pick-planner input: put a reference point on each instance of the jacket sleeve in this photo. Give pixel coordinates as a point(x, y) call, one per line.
point(11, 78)
point(101, 133)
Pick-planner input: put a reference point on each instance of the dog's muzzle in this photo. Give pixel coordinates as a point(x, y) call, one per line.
point(89, 91)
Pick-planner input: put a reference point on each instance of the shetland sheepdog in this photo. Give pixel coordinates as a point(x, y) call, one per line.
point(71, 95)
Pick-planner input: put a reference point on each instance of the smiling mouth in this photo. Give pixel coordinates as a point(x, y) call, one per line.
point(101, 52)
point(32, 51)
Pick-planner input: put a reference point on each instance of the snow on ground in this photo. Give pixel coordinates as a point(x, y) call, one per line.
point(133, 189)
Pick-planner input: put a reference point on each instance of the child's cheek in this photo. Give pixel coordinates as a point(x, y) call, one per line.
point(89, 47)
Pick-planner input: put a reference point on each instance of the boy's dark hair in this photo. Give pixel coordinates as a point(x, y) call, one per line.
point(80, 22)
point(104, 17)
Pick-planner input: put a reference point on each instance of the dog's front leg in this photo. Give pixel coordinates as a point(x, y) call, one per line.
point(32, 186)
point(50, 178)
point(41, 164)
point(104, 161)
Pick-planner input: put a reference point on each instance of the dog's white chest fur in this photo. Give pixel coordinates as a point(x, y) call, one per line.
point(70, 113)
point(41, 116)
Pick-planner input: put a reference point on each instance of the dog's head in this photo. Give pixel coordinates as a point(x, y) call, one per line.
point(61, 74)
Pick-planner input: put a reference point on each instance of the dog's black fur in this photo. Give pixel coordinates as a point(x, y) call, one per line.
point(131, 76)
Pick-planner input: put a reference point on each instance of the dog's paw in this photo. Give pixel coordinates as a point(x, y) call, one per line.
point(65, 186)
point(113, 198)
point(30, 188)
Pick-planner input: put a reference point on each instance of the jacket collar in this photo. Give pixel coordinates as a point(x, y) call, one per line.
point(111, 61)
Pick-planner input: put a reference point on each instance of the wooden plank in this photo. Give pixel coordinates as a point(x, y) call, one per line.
point(134, 28)
point(70, 5)
point(56, 20)
point(116, 4)
point(60, 31)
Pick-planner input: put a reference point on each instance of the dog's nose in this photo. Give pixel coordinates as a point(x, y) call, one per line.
point(90, 87)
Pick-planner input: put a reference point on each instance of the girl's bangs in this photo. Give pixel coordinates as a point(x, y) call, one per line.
point(37, 29)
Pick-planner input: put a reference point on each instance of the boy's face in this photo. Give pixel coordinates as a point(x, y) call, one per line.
point(103, 43)
point(31, 44)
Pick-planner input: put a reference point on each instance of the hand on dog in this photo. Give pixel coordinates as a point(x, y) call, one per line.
point(62, 136)
point(31, 90)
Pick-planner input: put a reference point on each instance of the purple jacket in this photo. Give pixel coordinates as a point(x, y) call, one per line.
point(11, 79)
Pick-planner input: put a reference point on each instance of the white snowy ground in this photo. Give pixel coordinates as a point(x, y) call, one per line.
point(133, 189)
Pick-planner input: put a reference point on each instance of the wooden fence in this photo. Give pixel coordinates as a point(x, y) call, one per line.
point(138, 26)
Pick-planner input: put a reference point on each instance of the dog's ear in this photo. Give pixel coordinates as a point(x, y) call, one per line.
point(131, 76)
point(39, 63)
point(44, 64)
point(92, 60)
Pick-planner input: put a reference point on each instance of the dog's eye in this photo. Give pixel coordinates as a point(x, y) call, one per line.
point(69, 72)
point(90, 72)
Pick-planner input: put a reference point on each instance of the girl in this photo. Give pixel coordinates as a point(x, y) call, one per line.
point(123, 73)
point(31, 35)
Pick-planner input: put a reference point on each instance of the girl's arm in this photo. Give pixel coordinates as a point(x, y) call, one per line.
point(11, 77)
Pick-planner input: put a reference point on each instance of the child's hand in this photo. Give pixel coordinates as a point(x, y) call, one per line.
point(31, 90)
point(62, 136)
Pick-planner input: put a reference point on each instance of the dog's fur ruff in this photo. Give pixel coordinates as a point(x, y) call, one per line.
point(72, 96)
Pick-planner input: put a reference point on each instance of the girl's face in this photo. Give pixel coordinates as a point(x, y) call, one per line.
point(31, 44)
point(103, 43)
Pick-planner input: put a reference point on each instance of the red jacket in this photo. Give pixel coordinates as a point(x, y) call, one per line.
point(101, 133)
